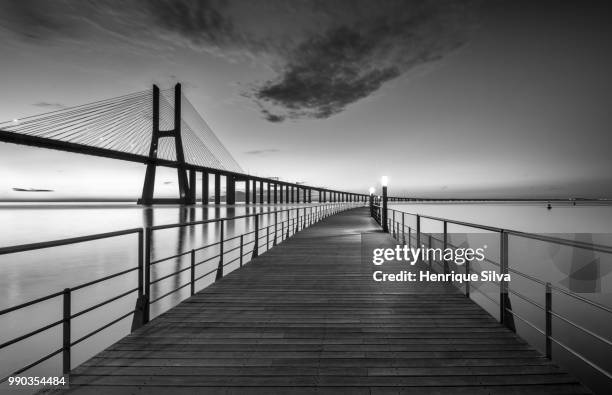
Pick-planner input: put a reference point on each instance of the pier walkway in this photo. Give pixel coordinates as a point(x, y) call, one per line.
point(306, 317)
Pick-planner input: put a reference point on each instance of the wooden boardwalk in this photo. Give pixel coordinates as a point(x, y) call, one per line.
point(306, 317)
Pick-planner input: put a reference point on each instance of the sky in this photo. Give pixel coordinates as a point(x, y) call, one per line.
point(449, 99)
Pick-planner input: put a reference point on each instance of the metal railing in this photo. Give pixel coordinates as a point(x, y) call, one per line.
point(396, 222)
point(261, 239)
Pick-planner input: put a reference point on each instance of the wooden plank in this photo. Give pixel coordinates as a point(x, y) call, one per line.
point(306, 317)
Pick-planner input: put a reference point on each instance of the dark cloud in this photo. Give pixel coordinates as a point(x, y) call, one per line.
point(346, 63)
point(326, 54)
point(326, 74)
point(272, 117)
point(262, 151)
point(51, 106)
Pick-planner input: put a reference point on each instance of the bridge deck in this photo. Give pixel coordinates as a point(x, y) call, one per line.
point(306, 317)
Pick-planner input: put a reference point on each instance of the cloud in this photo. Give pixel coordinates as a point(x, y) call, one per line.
point(51, 106)
point(17, 189)
point(325, 55)
point(201, 21)
point(346, 63)
point(262, 151)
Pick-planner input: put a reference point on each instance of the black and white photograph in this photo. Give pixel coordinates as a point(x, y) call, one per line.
point(369, 197)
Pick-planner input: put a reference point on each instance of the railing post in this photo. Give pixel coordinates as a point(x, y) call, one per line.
point(147, 276)
point(403, 228)
point(296, 221)
point(256, 243)
point(140, 263)
point(241, 247)
point(445, 262)
point(385, 225)
point(192, 272)
point(220, 267)
point(503, 268)
point(138, 318)
point(430, 258)
point(467, 282)
point(548, 321)
point(268, 237)
point(418, 231)
point(66, 332)
point(393, 223)
point(275, 227)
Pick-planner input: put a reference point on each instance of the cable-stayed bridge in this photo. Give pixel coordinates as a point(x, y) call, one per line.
point(157, 128)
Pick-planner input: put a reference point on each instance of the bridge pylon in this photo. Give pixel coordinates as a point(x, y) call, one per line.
point(185, 197)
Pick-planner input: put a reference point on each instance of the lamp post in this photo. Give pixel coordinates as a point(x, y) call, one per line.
point(384, 181)
point(372, 190)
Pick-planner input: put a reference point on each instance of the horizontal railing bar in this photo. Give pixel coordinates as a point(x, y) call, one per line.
point(90, 334)
point(87, 310)
point(527, 276)
point(205, 274)
point(31, 302)
point(167, 276)
point(180, 254)
point(43, 359)
point(582, 358)
point(207, 260)
point(525, 321)
point(30, 334)
point(232, 261)
point(62, 242)
point(121, 273)
point(556, 240)
point(581, 298)
point(207, 221)
point(232, 249)
point(595, 335)
point(526, 299)
point(171, 292)
point(206, 246)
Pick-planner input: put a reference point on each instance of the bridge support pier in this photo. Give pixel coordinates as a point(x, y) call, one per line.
point(217, 188)
point(205, 188)
point(261, 192)
point(269, 193)
point(230, 189)
point(254, 191)
point(275, 193)
point(247, 191)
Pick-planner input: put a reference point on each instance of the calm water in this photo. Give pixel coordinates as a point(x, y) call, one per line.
point(26, 276)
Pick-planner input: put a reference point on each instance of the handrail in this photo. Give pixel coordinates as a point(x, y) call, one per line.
point(62, 242)
point(504, 288)
point(556, 240)
point(284, 228)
